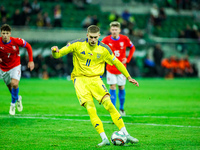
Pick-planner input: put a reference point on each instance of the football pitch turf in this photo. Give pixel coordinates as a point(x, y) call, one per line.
point(162, 114)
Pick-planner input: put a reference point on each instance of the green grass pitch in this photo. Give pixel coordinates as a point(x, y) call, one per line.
point(162, 114)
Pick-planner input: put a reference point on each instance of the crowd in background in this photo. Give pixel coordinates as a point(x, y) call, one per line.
point(24, 15)
point(32, 9)
point(157, 15)
point(190, 32)
point(127, 21)
point(170, 67)
point(90, 20)
point(31, 12)
point(46, 67)
point(50, 67)
point(178, 67)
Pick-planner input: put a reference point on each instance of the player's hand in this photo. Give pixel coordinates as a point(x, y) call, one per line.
point(55, 49)
point(124, 60)
point(0, 60)
point(31, 65)
point(133, 81)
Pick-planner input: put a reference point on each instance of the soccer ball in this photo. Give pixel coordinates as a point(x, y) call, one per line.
point(118, 138)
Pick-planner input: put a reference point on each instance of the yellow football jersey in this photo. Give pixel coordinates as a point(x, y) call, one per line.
point(88, 60)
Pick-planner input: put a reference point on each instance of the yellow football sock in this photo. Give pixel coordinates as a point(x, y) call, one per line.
point(116, 117)
point(96, 122)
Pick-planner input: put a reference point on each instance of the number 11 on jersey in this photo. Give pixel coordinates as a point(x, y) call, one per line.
point(88, 62)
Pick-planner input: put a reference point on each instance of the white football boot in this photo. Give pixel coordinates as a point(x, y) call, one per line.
point(104, 142)
point(19, 104)
point(12, 110)
point(131, 139)
point(122, 112)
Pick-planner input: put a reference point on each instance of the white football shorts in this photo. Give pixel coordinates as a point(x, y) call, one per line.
point(14, 73)
point(118, 79)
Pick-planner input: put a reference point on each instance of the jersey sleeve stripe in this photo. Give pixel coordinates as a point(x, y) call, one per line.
point(78, 40)
point(107, 47)
point(131, 45)
point(24, 44)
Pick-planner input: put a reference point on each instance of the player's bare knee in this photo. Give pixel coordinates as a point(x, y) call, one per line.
point(113, 86)
point(14, 83)
point(121, 87)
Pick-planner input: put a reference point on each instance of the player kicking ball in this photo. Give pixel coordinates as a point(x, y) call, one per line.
point(89, 57)
point(10, 66)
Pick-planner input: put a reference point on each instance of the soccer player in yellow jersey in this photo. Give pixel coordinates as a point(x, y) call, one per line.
point(89, 57)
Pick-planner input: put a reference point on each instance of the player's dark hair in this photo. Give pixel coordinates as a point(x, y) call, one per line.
point(5, 27)
point(115, 24)
point(93, 29)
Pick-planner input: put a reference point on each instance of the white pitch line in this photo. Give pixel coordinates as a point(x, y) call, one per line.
point(127, 116)
point(149, 124)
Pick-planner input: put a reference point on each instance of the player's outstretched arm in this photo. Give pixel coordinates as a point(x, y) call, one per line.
point(55, 52)
point(133, 81)
point(0, 60)
point(55, 49)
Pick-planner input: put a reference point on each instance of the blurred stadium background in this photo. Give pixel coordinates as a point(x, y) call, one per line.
point(162, 114)
point(160, 30)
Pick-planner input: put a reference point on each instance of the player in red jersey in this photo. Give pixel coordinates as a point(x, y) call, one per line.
point(10, 66)
point(118, 44)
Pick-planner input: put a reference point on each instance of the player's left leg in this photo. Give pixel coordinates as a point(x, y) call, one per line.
point(7, 79)
point(121, 95)
point(117, 119)
point(83, 87)
point(16, 98)
point(14, 90)
point(121, 79)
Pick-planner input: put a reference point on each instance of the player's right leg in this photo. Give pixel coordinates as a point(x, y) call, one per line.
point(11, 78)
point(96, 122)
point(83, 91)
point(121, 81)
point(121, 95)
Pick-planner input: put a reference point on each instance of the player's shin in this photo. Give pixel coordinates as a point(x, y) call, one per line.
point(113, 96)
point(121, 98)
point(14, 94)
point(116, 117)
point(96, 122)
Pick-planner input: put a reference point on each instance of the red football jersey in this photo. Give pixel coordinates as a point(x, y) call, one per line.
point(118, 47)
point(9, 53)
